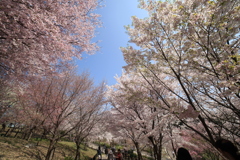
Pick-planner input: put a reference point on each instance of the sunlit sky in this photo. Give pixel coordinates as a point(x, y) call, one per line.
point(108, 62)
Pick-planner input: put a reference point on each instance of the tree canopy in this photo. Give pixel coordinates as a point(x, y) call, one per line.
point(38, 36)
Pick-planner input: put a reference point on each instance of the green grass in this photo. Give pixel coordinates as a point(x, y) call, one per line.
point(11, 148)
point(87, 153)
point(69, 144)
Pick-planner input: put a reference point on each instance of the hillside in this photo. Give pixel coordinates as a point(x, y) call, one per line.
point(15, 148)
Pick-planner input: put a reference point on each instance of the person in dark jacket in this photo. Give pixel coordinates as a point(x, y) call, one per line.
point(228, 149)
point(106, 150)
point(183, 154)
point(99, 153)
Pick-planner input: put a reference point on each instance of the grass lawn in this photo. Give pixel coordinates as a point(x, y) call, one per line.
point(86, 152)
point(15, 148)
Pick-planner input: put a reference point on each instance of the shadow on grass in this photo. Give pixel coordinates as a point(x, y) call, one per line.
point(1, 156)
point(39, 151)
point(36, 154)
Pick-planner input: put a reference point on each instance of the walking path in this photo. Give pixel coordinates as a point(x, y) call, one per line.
point(105, 157)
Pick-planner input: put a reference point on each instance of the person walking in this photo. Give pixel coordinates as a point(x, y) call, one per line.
point(106, 150)
point(99, 153)
point(110, 155)
point(119, 155)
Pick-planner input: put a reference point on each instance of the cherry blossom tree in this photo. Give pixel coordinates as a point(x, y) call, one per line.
point(87, 115)
point(195, 46)
point(51, 103)
point(119, 126)
point(138, 114)
point(38, 36)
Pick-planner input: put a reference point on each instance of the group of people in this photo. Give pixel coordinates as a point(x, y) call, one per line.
point(226, 147)
point(112, 154)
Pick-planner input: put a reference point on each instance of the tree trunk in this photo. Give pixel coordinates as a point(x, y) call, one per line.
point(29, 135)
point(50, 151)
point(31, 132)
point(12, 130)
point(157, 147)
point(43, 135)
point(19, 130)
point(139, 154)
point(24, 133)
point(77, 156)
point(8, 131)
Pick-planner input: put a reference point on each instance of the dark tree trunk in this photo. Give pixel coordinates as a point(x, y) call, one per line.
point(50, 151)
point(19, 130)
point(77, 156)
point(157, 147)
point(31, 132)
point(29, 135)
point(24, 133)
point(8, 131)
point(139, 154)
point(43, 135)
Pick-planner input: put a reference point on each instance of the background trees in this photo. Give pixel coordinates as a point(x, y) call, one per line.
point(88, 114)
point(139, 115)
point(57, 106)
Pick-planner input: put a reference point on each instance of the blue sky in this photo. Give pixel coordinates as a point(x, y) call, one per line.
point(108, 62)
